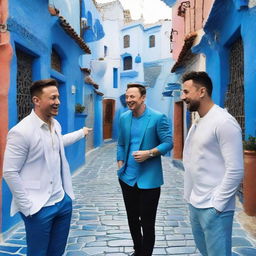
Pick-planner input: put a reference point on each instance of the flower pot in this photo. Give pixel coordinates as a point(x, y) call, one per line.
point(249, 182)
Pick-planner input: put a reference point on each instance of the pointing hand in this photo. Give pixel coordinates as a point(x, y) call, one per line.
point(86, 130)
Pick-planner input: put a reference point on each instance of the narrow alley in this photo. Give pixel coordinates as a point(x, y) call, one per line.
point(99, 225)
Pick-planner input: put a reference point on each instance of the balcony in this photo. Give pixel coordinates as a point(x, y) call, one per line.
point(99, 67)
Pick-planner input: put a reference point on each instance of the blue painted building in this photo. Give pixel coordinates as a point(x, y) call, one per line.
point(51, 43)
point(133, 52)
point(218, 39)
point(231, 58)
point(145, 58)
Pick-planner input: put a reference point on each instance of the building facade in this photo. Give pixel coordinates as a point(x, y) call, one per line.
point(188, 18)
point(35, 47)
point(145, 58)
point(134, 52)
point(214, 36)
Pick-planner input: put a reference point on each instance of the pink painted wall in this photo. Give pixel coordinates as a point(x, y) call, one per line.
point(5, 59)
point(178, 25)
point(194, 19)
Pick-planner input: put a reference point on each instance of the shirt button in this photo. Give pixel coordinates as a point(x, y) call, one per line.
point(51, 182)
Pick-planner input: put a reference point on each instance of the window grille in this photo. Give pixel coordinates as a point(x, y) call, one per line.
point(234, 101)
point(24, 81)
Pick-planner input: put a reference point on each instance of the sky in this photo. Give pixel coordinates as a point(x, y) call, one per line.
point(152, 10)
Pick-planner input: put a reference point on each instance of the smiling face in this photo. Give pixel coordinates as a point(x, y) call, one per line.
point(192, 95)
point(135, 101)
point(47, 103)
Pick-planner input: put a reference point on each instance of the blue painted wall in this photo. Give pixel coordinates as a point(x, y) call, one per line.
point(37, 34)
point(98, 121)
point(227, 21)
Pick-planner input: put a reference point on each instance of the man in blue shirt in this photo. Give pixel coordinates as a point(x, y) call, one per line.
point(144, 135)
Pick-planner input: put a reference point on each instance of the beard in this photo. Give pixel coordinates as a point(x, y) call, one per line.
point(193, 106)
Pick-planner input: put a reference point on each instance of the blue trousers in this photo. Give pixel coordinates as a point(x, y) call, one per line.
point(212, 231)
point(47, 230)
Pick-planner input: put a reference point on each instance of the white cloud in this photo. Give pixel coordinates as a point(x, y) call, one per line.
point(152, 10)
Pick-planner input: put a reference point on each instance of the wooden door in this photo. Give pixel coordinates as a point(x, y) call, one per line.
point(178, 132)
point(108, 117)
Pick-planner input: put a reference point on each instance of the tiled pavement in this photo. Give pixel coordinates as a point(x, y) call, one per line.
point(99, 225)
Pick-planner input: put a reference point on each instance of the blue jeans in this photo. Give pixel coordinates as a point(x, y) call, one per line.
point(212, 230)
point(47, 230)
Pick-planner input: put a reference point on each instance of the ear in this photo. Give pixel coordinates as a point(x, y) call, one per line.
point(202, 92)
point(35, 100)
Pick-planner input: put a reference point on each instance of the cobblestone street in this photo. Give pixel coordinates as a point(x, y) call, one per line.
point(99, 224)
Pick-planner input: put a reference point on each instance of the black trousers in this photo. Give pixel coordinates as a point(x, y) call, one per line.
point(141, 207)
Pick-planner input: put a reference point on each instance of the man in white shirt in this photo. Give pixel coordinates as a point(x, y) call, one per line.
point(37, 172)
point(213, 162)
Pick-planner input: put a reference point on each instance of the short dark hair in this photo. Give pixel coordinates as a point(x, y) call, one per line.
point(200, 78)
point(141, 88)
point(37, 86)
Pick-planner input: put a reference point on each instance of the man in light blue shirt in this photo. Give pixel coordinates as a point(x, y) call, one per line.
point(144, 135)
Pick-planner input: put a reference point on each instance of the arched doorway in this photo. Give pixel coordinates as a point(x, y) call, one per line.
point(108, 117)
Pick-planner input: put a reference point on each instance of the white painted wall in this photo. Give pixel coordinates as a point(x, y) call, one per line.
point(112, 20)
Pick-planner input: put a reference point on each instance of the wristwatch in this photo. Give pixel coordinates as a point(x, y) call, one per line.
point(151, 154)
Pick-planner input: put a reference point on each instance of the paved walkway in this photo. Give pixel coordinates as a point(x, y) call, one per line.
point(99, 225)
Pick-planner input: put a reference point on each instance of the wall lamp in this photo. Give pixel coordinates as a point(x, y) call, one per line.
point(182, 8)
point(73, 89)
point(3, 28)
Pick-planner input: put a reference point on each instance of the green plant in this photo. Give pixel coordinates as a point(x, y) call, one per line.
point(79, 108)
point(250, 144)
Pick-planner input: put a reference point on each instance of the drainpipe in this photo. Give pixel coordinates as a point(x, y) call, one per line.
point(5, 61)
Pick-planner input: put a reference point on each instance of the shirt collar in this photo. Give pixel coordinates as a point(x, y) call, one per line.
point(39, 121)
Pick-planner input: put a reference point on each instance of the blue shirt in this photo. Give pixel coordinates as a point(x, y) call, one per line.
point(132, 169)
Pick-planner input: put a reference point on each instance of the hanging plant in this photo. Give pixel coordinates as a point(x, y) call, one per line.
point(79, 108)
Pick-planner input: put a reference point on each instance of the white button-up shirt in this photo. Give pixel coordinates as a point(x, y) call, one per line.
point(53, 147)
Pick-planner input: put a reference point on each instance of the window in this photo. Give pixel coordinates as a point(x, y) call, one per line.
point(24, 80)
point(127, 62)
point(152, 41)
point(55, 61)
point(115, 78)
point(126, 41)
point(105, 51)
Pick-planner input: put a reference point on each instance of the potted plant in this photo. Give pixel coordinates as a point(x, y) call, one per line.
point(79, 108)
point(249, 182)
